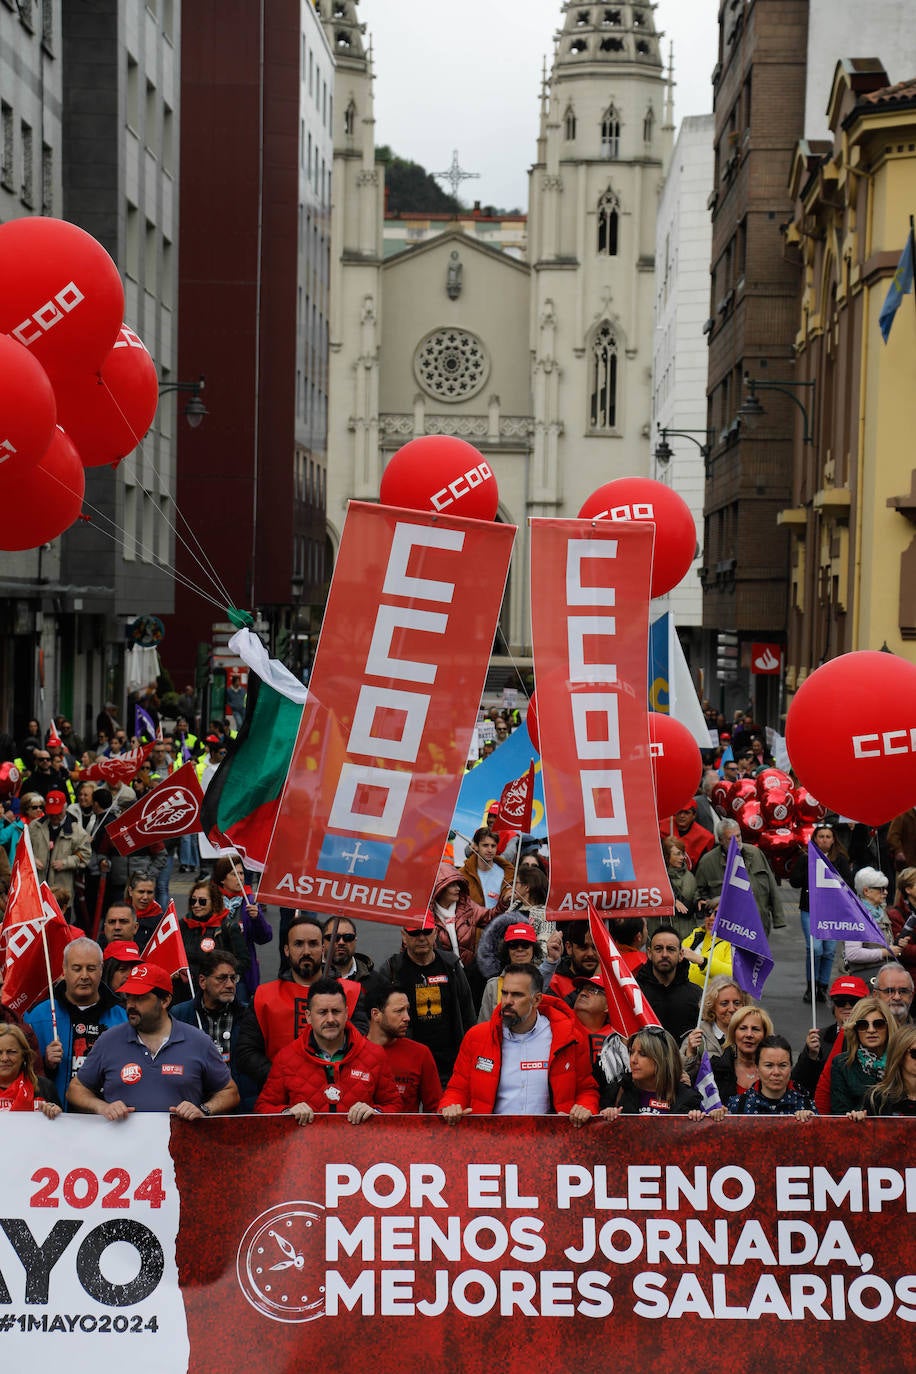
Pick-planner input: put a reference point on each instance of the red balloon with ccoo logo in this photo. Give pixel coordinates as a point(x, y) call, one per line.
point(642, 498)
point(676, 763)
point(851, 735)
point(441, 473)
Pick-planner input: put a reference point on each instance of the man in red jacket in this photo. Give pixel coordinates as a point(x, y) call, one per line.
point(330, 1067)
point(530, 1058)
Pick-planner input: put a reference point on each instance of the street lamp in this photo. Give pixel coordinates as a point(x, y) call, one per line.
point(751, 409)
point(195, 410)
point(664, 452)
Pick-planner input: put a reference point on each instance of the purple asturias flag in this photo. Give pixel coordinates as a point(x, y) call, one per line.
point(836, 912)
point(738, 920)
point(144, 726)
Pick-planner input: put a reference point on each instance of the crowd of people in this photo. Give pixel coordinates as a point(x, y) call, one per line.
point(484, 1004)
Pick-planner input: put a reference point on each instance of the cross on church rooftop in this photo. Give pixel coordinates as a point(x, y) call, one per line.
point(455, 176)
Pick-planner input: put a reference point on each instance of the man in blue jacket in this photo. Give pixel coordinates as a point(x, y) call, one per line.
point(84, 1007)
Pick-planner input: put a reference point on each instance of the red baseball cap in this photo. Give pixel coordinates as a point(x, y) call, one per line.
point(422, 921)
point(55, 804)
point(145, 978)
point(125, 951)
point(597, 982)
point(848, 987)
point(521, 932)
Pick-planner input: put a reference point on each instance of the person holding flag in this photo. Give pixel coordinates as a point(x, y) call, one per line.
point(739, 919)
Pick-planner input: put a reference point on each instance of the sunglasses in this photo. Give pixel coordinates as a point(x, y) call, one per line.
point(225, 977)
point(844, 1001)
point(646, 1030)
point(412, 933)
point(200, 901)
point(519, 944)
point(347, 939)
point(878, 1024)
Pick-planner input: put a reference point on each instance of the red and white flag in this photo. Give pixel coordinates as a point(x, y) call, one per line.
point(30, 909)
point(165, 946)
point(399, 672)
point(590, 632)
point(54, 739)
point(515, 804)
point(627, 1004)
point(120, 768)
point(171, 809)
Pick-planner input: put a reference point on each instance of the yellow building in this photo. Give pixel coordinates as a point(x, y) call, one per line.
point(853, 513)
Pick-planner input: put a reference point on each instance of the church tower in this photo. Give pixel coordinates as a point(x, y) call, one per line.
point(358, 191)
point(603, 145)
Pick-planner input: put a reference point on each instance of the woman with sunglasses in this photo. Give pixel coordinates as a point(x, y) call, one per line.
point(895, 1095)
point(208, 926)
point(735, 1069)
point(654, 1085)
point(861, 1065)
point(244, 908)
point(821, 1045)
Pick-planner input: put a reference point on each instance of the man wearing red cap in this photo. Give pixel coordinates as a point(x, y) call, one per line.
point(441, 1005)
point(519, 946)
point(120, 957)
point(59, 843)
point(697, 840)
point(154, 1063)
point(821, 1046)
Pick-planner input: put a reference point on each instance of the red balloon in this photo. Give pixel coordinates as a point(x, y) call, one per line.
point(43, 502)
point(10, 780)
point(778, 806)
point(769, 778)
point(807, 809)
point(750, 819)
point(720, 797)
point(805, 834)
point(676, 763)
point(739, 792)
point(27, 409)
point(851, 735)
point(440, 473)
point(781, 848)
point(531, 720)
point(60, 293)
point(642, 498)
point(107, 413)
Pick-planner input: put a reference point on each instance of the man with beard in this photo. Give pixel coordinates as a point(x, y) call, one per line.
point(216, 1009)
point(154, 1063)
point(666, 985)
point(580, 960)
point(277, 1015)
point(894, 986)
point(529, 1059)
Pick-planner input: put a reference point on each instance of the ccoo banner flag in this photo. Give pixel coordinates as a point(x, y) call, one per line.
point(590, 631)
point(399, 672)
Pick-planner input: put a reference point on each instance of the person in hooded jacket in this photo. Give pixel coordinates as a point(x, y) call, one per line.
point(459, 920)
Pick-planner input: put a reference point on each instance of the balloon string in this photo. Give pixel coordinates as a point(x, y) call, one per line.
point(512, 659)
point(206, 566)
point(149, 554)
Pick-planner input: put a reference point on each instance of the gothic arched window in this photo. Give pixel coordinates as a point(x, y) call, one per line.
point(603, 379)
point(569, 123)
point(610, 133)
point(608, 218)
point(648, 125)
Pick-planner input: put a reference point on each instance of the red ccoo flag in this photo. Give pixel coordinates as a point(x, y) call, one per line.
point(120, 768)
point(28, 912)
point(166, 947)
point(171, 809)
point(516, 803)
point(54, 739)
point(627, 1005)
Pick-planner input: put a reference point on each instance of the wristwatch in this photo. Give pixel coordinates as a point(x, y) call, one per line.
point(205, 1109)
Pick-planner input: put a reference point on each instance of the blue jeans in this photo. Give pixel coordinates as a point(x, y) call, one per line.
point(824, 950)
point(188, 853)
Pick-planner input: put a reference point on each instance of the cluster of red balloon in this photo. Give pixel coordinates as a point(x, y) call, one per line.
point(77, 388)
point(10, 781)
point(772, 813)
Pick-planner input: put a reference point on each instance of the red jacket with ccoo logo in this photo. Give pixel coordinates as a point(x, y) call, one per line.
point(298, 1074)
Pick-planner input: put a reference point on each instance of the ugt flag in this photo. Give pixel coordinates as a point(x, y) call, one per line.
point(120, 768)
point(171, 809)
point(901, 286)
point(738, 920)
point(836, 912)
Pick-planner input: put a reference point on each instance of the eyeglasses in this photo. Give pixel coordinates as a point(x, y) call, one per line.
point(200, 901)
point(895, 992)
point(347, 939)
point(519, 944)
point(36, 806)
point(225, 977)
point(878, 1024)
point(844, 1001)
point(413, 933)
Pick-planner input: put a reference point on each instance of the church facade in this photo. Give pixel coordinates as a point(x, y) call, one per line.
point(543, 364)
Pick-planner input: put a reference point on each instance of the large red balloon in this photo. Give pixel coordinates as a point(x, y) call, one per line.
point(642, 498)
point(676, 763)
point(40, 504)
point(107, 413)
point(60, 293)
point(440, 473)
point(851, 735)
point(27, 409)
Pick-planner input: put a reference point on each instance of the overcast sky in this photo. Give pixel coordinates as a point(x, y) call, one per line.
point(465, 74)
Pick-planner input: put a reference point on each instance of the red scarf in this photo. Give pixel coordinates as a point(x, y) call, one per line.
point(210, 922)
point(18, 1097)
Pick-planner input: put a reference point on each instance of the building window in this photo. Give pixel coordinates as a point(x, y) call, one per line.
point(603, 402)
point(47, 180)
point(608, 218)
point(28, 168)
point(610, 133)
point(648, 125)
point(8, 148)
point(569, 123)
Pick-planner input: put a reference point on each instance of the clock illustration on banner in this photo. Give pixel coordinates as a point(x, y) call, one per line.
point(280, 1262)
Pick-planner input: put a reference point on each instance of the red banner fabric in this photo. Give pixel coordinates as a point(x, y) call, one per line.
point(577, 1242)
point(590, 630)
point(171, 809)
point(28, 913)
point(516, 804)
point(165, 946)
point(399, 672)
point(628, 1008)
point(120, 768)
